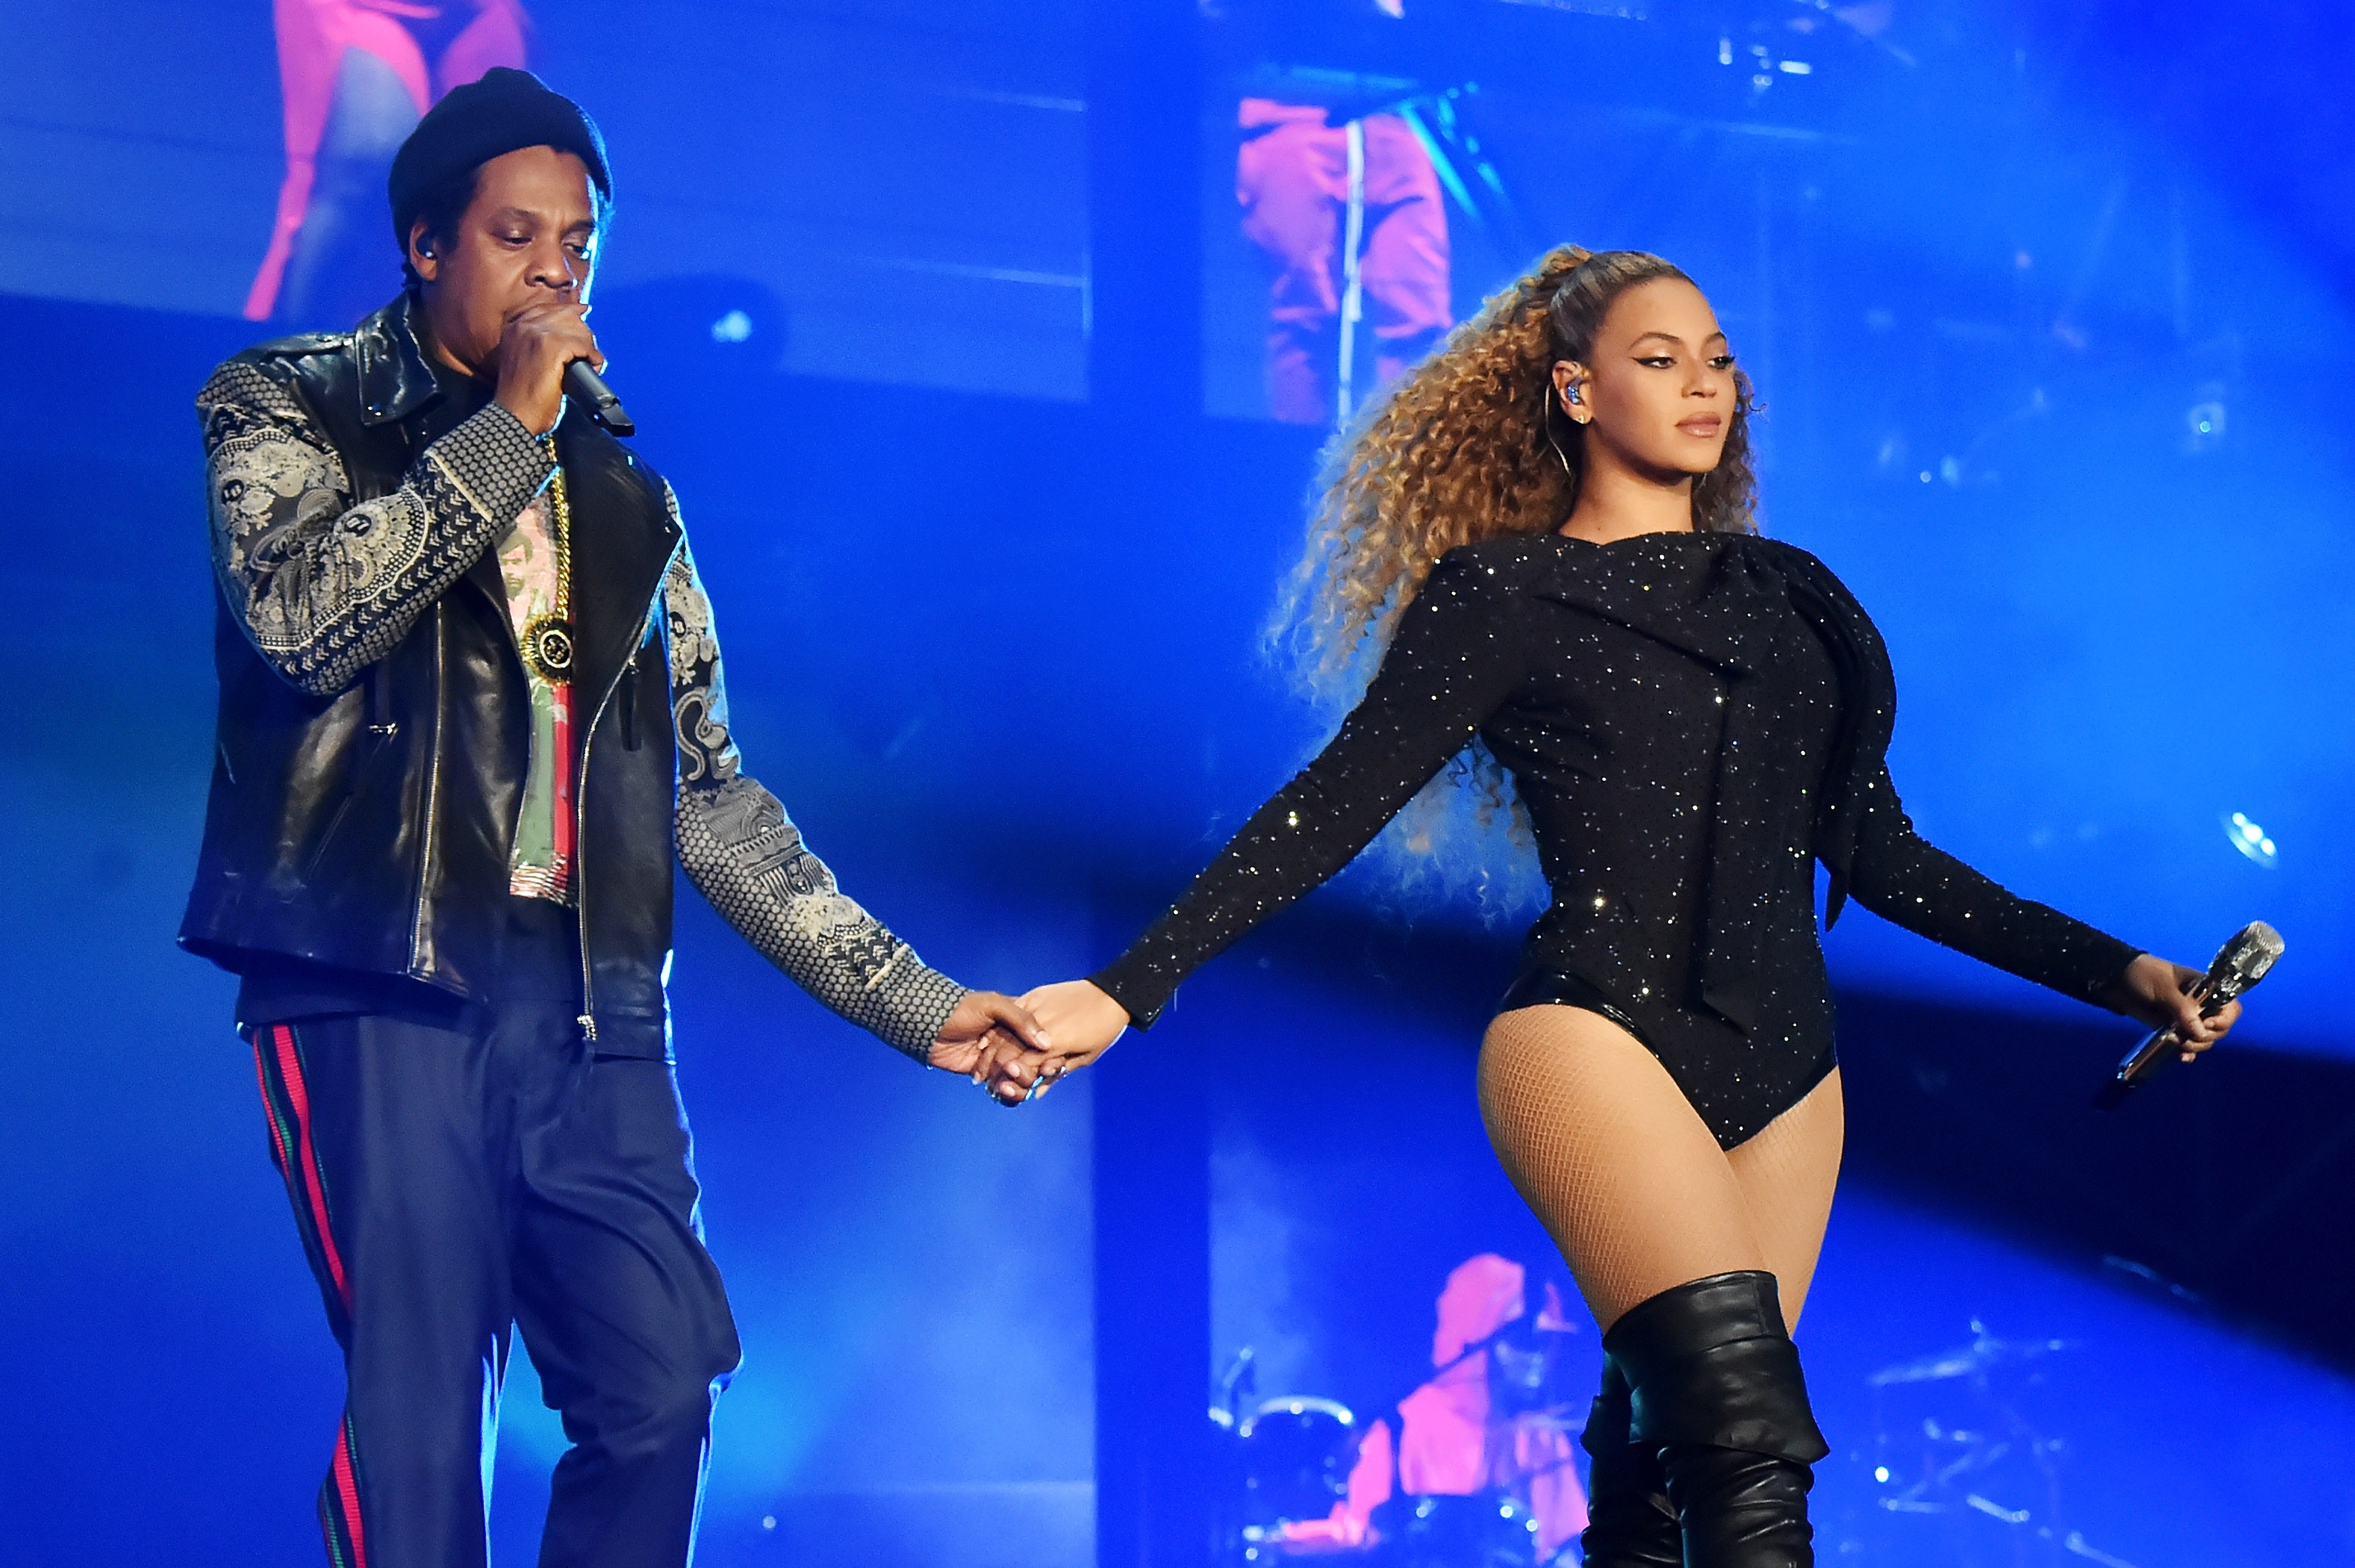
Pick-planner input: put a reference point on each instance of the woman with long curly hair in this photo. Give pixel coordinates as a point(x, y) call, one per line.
point(1546, 536)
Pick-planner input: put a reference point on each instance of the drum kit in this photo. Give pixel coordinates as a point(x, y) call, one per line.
point(1961, 1473)
point(1284, 1464)
point(1956, 1456)
point(1288, 1462)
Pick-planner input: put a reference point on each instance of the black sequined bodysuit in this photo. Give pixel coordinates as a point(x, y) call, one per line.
point(1691, 721)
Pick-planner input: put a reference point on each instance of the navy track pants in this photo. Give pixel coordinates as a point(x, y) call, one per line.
point(452, 1182)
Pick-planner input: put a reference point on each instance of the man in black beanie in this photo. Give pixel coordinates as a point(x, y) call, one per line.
point(470, 708)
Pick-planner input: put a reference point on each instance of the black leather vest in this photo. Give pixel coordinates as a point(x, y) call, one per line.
point(370, 830)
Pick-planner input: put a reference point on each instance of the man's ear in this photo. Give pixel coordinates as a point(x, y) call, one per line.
point(422, 246)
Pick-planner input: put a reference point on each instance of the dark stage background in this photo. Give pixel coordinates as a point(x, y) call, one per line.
point(942, 323)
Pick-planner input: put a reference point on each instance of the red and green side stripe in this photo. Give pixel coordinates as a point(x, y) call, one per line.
point(339, 1506)
point(286, 1102)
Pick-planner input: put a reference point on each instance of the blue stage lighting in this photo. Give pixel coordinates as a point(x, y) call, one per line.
point(2250, 839)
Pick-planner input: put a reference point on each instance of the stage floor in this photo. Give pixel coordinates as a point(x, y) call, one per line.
point(2152, 1435)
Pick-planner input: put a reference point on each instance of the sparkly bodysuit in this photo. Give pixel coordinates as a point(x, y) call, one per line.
point(1692, 722)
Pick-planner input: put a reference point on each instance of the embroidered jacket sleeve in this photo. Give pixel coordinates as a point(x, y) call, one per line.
point(745, 855)
point(326, 584)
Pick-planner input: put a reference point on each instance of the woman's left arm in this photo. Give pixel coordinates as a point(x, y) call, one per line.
point(1905, 878)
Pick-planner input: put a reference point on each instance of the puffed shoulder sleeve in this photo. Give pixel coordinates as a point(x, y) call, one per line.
point(1876, 855)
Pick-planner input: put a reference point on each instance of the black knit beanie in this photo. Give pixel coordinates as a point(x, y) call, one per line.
point(506, 110)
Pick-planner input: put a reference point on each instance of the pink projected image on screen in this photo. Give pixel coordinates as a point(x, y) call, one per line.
point(357, 75)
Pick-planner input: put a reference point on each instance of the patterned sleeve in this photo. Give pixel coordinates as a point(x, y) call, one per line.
point(324, 586)
point(745, 855)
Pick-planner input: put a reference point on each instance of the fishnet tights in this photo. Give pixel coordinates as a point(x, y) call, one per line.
point(1632, 1186)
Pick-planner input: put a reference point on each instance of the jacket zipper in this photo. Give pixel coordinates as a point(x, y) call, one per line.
point(422, 923)
point(587, 1020)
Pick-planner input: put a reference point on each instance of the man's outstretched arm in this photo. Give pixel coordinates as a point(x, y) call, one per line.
point(744, 855)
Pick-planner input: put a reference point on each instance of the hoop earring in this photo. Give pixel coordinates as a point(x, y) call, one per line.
point(1560, 456)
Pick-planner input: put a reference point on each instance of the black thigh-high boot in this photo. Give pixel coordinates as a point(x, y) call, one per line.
point(1716, 1392)
point(1629, 1521)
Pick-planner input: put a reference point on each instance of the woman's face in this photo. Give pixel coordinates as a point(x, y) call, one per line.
point(1659, 392)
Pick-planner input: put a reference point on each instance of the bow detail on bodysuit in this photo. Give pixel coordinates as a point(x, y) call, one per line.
point(1719, 614)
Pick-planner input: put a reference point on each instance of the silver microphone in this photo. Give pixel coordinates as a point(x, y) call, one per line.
point(2240, 965)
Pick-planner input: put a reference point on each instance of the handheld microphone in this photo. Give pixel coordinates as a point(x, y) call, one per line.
point(2240, 965)
point(583, 385)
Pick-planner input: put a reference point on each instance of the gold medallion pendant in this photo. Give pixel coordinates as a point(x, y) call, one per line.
point(547, 649)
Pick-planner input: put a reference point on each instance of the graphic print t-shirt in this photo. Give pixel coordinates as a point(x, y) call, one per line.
point(541, 864)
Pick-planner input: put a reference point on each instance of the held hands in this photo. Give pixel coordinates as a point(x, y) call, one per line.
point(1018, 1050)
point(996, 1041)
point(2157, 993)
point(535, 346)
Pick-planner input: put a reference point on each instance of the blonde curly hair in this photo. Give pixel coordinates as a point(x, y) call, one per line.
point(1465, 448)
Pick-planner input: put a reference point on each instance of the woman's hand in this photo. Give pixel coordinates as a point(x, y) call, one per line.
point(2159, 992)
point(1083, 1020)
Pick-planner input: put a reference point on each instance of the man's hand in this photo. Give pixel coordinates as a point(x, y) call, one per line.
point(535, 346)
point(2159, 992)
point(994, 1040)
point(1083, 1019)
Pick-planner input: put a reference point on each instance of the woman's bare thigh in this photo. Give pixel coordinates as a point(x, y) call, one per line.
point(1615, 1160)
point(1787, 1171)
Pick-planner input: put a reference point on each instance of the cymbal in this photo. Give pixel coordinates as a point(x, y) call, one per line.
point(1980, 1355)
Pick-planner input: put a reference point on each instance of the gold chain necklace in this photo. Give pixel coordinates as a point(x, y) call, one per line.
point(547, 640)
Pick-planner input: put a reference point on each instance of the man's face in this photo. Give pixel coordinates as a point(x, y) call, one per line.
point(528, 237)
